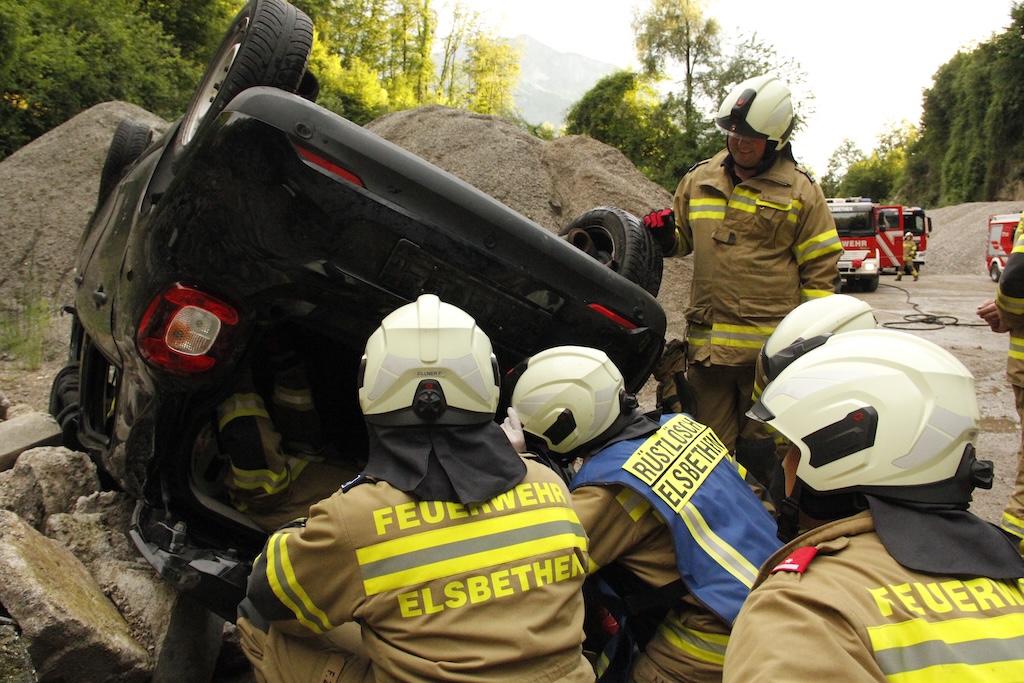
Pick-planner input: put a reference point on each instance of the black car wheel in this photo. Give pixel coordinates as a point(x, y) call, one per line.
point(268, 43)
point(618, 239)
point(131, 138)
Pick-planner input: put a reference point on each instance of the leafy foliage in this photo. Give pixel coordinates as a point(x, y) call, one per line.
point(972, 126)
point(60, 58)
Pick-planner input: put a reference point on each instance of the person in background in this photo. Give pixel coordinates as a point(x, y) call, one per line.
point(909, 254)
point(280, 463)
point(459, 559)
point(886, 574)
point(763, 240)
point(1005, 314)
point(676, 534)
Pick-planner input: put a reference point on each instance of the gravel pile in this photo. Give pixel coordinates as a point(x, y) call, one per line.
point(48, 190)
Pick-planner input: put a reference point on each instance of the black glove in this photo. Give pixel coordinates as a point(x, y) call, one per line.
point(662, 226)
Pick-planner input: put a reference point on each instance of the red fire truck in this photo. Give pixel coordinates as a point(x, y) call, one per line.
point(893, 223)
point(872, 238)
point(1000, 242)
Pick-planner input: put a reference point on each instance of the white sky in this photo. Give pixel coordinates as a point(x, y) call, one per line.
point(896, 45)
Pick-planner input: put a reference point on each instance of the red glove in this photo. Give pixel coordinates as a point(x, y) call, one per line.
point(662, 226)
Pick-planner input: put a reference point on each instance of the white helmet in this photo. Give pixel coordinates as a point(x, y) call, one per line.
point(808, 322)
point(428, 363)
point(568, 396)
point(908, 235)
point(759, 107)
point(881, 412)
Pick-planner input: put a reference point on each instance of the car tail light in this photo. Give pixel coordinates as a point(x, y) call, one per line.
point(328, 167)
point(614, 317)
point(186, 330)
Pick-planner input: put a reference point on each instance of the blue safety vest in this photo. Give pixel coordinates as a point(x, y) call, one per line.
point(721, 531)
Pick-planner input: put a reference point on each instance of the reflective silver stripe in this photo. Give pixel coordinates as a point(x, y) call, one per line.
point(695, 643)
point(464, 548)
point(910, 658)
point(296, 399)
point(717, 549)
point(282, 581)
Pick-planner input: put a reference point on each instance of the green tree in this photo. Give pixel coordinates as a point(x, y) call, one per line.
point(63, 57)
point(880, 175)
point(845, 156)
point(677, 32)
point(194, 26)
point(622, 110)
point(493, 70)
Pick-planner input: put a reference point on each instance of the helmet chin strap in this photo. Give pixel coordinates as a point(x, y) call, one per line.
point(788, 518)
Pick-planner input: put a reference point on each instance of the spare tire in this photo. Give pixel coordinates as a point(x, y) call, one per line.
point(130, 140)
point(618, 239)
point(268, 43)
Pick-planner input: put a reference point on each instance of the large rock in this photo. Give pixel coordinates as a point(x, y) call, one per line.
point(46, 481)
point(72, 630)
point(183, 637)
point(22, 432)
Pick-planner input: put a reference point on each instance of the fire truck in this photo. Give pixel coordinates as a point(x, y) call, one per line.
point(893, 223)
point(872, 238)
point(1000, 242)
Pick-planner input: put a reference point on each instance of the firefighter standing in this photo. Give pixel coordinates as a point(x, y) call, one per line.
point(763, 240)
point(909, 254)
point(1004, 314)
point(671, 522)
point(895, 579)
point(460, 559)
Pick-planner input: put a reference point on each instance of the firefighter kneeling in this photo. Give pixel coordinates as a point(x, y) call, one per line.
point(895, 579)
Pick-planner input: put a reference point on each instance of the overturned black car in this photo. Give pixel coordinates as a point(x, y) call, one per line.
point(260, 212)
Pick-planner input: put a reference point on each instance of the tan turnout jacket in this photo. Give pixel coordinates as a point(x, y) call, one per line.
point(854, 614)
point(760, 248)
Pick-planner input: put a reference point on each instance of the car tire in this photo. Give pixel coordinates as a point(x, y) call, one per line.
point(993, 272)
point(870, 284)
point(618, 239)
point(268, 43)
point(131, 138)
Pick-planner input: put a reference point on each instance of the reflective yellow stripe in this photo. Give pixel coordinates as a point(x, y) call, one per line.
point(268, 480)
point(1016, 347)
point(241, 405)
point(419, 558)
point(1009, 304)
point(741, 336)
point(745, 336)
point(706, 208)
point(743, 200)
point(1018, 240)
point(717, 548)
point(1015, 525)
point(818, 246)
point(282, 580)
point(698, 335)
point(700, 645)
point(634, 504)
point(808, 294)
point(953, 651)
